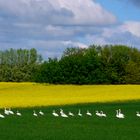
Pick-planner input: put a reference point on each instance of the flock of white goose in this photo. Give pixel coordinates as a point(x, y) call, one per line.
point(61, 113)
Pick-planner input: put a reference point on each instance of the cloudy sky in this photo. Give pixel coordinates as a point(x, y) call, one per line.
point(50, 26)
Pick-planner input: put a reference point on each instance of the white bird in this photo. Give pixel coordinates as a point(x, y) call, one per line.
point(10, 111)
point(34, 113)
point(122, 115)
point(88, 113)
point(71, 114)
point(55, 114)
point(79, 113)
point(61, 111)
point(102, 114)
point(63, 114)
point(41, 113)
point(6, 111)
point(2, 116)
point(137, 114)
point(119, 114)
point(18, 113)
point(98, 114)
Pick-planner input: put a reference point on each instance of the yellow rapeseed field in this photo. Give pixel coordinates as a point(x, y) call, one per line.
point(32, 94)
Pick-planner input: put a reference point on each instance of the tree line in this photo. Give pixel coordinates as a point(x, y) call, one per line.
point(18, 65)
point(110, 64)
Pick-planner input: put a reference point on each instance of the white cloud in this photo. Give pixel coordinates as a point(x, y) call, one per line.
point(127, 33)
point(78, 12)
point(74, 44)
point(86, 12)
point(132, 27)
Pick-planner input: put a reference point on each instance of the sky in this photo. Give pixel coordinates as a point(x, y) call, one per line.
point(51, 26)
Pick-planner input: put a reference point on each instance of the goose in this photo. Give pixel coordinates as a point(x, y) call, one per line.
point(63, 114)
point(2, 116)
point(55, 114)
point(119, 114)
point(61, 111)
point(79, 113)
point(34, 113)
point(88, 113)
point(18, 114)
point(41, 113)
point(102, 114)
point(98, 114)
point(137, 114)
point(10, 111)
point(6, 111)
point(71, 114)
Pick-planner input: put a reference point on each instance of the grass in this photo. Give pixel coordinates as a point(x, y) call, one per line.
point(85, 128)
point(31, 94)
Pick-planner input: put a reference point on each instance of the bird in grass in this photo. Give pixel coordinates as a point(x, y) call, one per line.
point(41, 113)
point(103, 114)
point(6, 111)
point(2, 116)
point(11, 112)
point(71, 114)
point(79, 113)
point(18, 113)
point(55, 114)
point(88, 113)
point(35, 114)
point(63, 114)
point(119, 114)
point(98, 114)
point(61, 111)
point(137, 114)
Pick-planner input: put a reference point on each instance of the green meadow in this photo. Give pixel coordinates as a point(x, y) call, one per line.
point(48, 127)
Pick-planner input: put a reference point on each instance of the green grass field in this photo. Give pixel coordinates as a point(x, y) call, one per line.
point(74, 128)
point(27, 97)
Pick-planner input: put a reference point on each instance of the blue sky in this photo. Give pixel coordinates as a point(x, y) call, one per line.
point(50, 26)
point(123, 9)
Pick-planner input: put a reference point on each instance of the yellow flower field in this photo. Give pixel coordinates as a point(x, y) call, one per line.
point(32, 94)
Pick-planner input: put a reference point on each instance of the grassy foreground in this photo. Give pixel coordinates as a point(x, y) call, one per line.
point(73, 128)
point(31, 94)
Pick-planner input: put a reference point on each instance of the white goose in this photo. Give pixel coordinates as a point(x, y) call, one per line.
point(63, 114)
point(137, 114)
point(98, 114)
point(79, 113)
point(88, 113)
point(61, 111)
point(119, 114)
point(71, 114)
point(41, 113)
point(103, 114)
point(11, 112)
point(6, 111)
point(2, 116)
point(34, 113)
point(18, 113)
point(55, 114)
